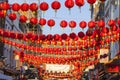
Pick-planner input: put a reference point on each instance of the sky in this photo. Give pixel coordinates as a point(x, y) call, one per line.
point(63, 13)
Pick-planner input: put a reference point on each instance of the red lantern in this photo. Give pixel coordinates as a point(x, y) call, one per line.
point(56, 37)
point(55, 5)
point(81, 34)
point(15, 7)
point(33, 20)
point(42, 22)
point(114, 28)
point(2, 14)
point(72, 24)
point(72, 35)
point(24, 7)
point(49, 37)
point(4, 6)
point(82, 24)
point(23, 18)
point(12, 35)
point(101, 23)
point(63, 24)
point(19, 36)
point(64, 36)
point(119, 22)
point(79, 3)
point(44, 6)
point(69, 4)
point(91, 1)
point(33, 7)
point(111, 22)
point(105, 30)
point(91, 24)
point(51, 22)
point(12, 16)
point(89, 33)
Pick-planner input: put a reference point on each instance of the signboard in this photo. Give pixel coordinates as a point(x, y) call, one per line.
point(103, 55)
point(58, 68)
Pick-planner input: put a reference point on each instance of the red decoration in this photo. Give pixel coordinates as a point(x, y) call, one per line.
point(25, 7)
point(69, 4)
point(23, 18)
point(49, 37)
point(42, 21)
point(118, 22)
point(72, 24)
point(56, 5)
point(82, 24)
point(63, 24)
point(33, 7)
point(114, 28)
point(2, 14)
point(33, 20)
point(89, 33)
point(72, 35)
point(56, 37)
point(51, 22)
point(19, 36)
point(91, 24)
point(64, 36)
point(91, 1)
point(12, 16)
point(4, 6)
point(44, 6)
point(81, 34)
point(101, 23)
point(105, 30)
point(79, 3)
point(15, 7)
point(111, 22)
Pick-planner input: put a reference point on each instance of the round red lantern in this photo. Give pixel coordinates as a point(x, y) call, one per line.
point(12, 16)
point(72, 35)
point(69, 4)
point(33, 7)
point(114, 28)
point(89, 33)
point(42, 22)
point(49, 37)
point(4, 6)
point(105, 30)
point(79, 3)
point(2, 14)
point(63, 24)
point(72, 24)
point(111, 22)
point(82, 24)
point(33, 20)
point(23, 18)
point(56, 37)
point(56, 5)
point(44, 6)
point(101, 23)
point(64, 36)
point(51, 22)
point(15, 7)
point(91, 1)
point(81, 34)
point(25, 7)
point(91, 24)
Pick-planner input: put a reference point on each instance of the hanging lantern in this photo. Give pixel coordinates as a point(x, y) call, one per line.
point(49, 37)
point(89, 33)
point(64, 36)
point(63, 24)
point(56, 37)
point(82, 24)
point(111, 22)
point(12, 35)
point(33, 20)
point(12, 16)
point(81, 34)
point(44, 6)
point(51, 23)
point(69, 4)
point(56, 5)
point(72, 35)
point(25, 7)
point(118, 22)
point(101, 24)
point(19, 36)
point(105, 30)
point(15, 7)
point(72, 24)
point(42, 37)
point(23, 18)
point(33, 7)
point(42, 22)
point(114, 28)
point(2, 14)
point(91, 1)
point(4, 6)
point(79, 3)
point(91, 24)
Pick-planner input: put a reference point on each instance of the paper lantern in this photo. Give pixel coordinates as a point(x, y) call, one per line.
point(81, 34)
point(15, 7)
point(64, 36)
point(91, 1)
point(91, 24)
point(111, 22)
point(69, 4)
point(56, 37)
point(4, 6)
point(79, 3)
point(33, 7)
point(72, 24)
point(33, 20)
point(89, 33)
point(105, 30)
point(72, 35)
point(25, 7)
point(63, 24)
point(2, 14)
point(82, 24)
point(12, 16)
point(23, 18)
point(101, 23)
point(42, 22)
point(44, 6)
point(56, 5)
point(49, 37)
point(51, 22)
